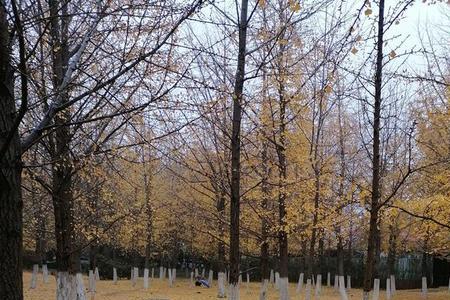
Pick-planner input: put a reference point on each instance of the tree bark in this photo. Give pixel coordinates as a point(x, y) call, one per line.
point(425, 271)
point(236, 153)
point(311, 256)
point(92, 257)
point(62, 166)
point(376, 193)
point(392, 250)
point(11, 285)
point(282, 169)
point(340, 246)
point(149, 212)
point(220, 206)
point(264, 260)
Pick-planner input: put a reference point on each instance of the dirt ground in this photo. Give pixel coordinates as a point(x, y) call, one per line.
point(160, 290)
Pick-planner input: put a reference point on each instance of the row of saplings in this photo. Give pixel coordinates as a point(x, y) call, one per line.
point(197, 279)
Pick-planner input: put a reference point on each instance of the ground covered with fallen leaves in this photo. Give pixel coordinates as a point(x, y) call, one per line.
point(182, 290)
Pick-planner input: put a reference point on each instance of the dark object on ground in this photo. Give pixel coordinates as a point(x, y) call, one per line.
point(201, 282)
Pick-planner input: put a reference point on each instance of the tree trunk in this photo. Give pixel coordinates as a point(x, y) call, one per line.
point(376, 269)
point(424, 264)
point(264, 250)
point(282, 169)
point(304, 243)
point(282, 182)
point(41, 242)
point(311, 256)
point(425, 271)
point(321, 253)
point(236, 154)
point(62, 169)
point(392, 251)
point(11, 285)
point(264, 261)
point(340, 256)
point(93, 256)
point(220, 206)
point(340, 246)
point(149, 212)
point(265, 191)
point(376, 193)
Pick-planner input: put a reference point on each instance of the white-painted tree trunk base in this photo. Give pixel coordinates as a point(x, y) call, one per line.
point(80, 287)
point(263, 290)
point(146, 279)
point(308, 289)
point(277, 280)
point(210, 277)
point(135, 275)
point(233, 291)
point(161, 272)
point(45, 273)
point(97, 274)
point(66, 286)
point(300, 283)
point(114, 276)
point(328, 279)
point(342, 291)
point(318, 286)
point(34, 276)
point(424, 288)
point(272, 278)
point(248, 284)
point(196, 272)
point(376, 289)
point(240, 279)
point(91, 282)
point(174, 274)
point(336, 282)
point(341, 281)
point(192, 279)
point(170, 278)
point(221, 285)
point(283, 284)
point(388, 288)
point(393, 288)
point(203, 273)
point(349, 282)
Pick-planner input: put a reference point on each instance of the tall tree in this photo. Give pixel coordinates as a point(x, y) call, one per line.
point(376, 177)
point(236, 152)
point(10, 170)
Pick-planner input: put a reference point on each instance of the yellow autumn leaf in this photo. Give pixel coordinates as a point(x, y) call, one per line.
point(283, 42)
point(295, 6)
point(368, 12)
point(392, 54)
point(354, 50)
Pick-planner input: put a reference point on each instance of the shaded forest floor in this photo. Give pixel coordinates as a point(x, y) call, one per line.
point(159, 290)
